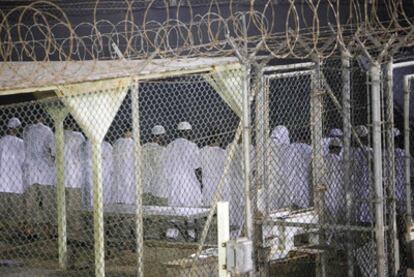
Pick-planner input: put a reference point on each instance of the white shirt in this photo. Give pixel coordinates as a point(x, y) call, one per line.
point(154, 181)
point(182, 158)
point(212, 163)
point(301, 159)
point(12, 156)
point(335, 196)
point(40, 149)
point(124, 171)
point(73, 159)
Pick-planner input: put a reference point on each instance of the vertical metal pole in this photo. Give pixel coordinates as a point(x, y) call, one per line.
point(223, 236)
point(317, 157)
point(246, 153)
point(262, 132)
point(375, 71)
point(60, 189)
point(346, 110)
point(407, 168)
point(138, 181)
point(98, 220)
point(391, 165)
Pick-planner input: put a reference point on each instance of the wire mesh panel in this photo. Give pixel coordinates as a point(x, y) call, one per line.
point(77, 163)
point(319, 215)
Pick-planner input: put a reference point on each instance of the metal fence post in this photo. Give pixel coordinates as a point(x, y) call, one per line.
point(138, 180)
point(223, 236)
point(317, 157)
point(375, 71)
point(391, 165)
point(246, 153)
point(407, 167)
point(346, 110)
point(98, 222)
point(60, 190)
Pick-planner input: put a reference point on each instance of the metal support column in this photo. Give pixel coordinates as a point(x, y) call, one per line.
point(317, 158)
point(223, 236)
point(98, 220)
point(60, 189)
point(347, 126)
point(249, 228)
point(391, 166)
point(407, 168)
point(138, 180)
point(375, 71)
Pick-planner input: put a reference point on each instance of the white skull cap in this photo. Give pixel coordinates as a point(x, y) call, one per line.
point(362, 131)
point(280, 135)
point(184, 126)
point(396, 132)
point(336, 133)
point(13, 123)
point(336, 142)
point(157, 130)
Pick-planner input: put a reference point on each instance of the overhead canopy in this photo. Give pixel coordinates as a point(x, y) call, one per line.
point(23, 77)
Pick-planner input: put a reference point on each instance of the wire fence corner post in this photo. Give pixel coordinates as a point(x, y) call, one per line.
point(375, 75)
point(138, 179)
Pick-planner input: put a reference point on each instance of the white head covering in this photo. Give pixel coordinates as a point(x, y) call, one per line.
point(336, 133)
point(184, 126)
point(336, 142)
point(14, 123)
point(361, 131)
point(396, 132)
point(280, 135)
point(158, 130)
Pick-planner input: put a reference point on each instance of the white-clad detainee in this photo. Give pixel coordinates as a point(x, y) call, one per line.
point(124, 169)
point(281, 171)
point(212, 163)
point(154, 181)
point(300, 159)
point(108, 184)
point(12, 156)
point(333, 133)
point(182, 168)
point(361, 177)
point(73, 158)
point(335, 194)
point(40, 150)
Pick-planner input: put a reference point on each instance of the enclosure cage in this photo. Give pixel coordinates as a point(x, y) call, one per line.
point(313, 209)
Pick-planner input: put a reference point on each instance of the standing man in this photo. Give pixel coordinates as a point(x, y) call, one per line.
point(40, 177)
point(123, 156)
point(335, 194)
point(154, 179)
point(212, 163)
point(12, 156)
point(40, 150)
point(182, 166)
point(73, 158)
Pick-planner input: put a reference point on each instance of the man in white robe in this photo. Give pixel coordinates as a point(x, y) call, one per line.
point(301, 168)
point(154, 181)
point(335, 195)
point(124, 169)
point(281, 172)
point(73, 159)
point(40, 150)
point(12, 156)
point(182, 168)
point(212, 163)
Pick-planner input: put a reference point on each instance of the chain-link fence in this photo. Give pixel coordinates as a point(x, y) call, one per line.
point(124, 177)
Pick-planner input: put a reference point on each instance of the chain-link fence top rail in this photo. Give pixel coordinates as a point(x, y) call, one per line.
point(47, 31)
point(176, 202)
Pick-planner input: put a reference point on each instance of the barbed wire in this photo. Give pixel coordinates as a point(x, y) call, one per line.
point(45, 31)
